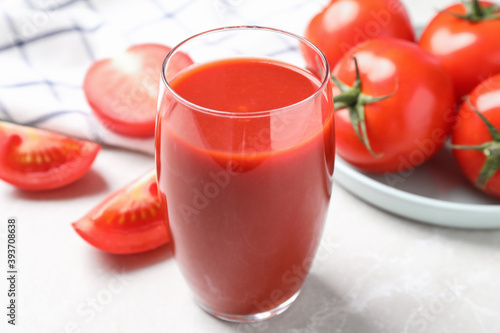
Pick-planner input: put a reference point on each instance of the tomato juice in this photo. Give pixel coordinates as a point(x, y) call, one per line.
point(245, 171)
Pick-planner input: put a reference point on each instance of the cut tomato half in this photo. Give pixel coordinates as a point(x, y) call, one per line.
point(35, 159)
point(128, 220)
point(123, 91)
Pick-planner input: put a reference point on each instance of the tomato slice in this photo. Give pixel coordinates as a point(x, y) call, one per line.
point(35, 159)
point(128, 220)
point(123, 91)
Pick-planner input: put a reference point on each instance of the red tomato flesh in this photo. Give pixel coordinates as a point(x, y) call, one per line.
point(126, 221)
point(123, 91)
point(35, 159)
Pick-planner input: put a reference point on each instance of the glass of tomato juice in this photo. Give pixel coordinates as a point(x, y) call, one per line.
point(244, 154)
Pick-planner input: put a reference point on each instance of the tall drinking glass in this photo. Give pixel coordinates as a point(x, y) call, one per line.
point(245, 153)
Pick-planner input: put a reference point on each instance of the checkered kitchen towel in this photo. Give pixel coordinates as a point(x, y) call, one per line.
point(46, 47)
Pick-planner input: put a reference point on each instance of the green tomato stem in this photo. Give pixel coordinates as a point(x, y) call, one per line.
point(349, 98)
point(476, 12)
point(353, 99)
point(490, 149)
point(475, 9)
point(480, 147)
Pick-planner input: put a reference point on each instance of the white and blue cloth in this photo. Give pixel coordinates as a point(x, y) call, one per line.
point(46, 47)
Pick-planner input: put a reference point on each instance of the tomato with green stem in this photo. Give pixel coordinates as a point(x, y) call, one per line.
point(464, 37)
point(343, 24)
point(128, 220)
point(394, 105)
point(476, 137)
point(34, 159)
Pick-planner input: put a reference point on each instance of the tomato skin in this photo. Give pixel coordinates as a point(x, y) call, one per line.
point(470, 51)
point(470, 130)
point(344, 23)
point(407, 128)
point(128, 220)
point(122, 92)
point(36, 160)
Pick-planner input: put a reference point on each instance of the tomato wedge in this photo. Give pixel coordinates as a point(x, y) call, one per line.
point(128, 220)
point(35, 159)
point(123, 91)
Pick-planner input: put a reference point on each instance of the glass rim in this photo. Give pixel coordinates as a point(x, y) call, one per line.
point(321, 87)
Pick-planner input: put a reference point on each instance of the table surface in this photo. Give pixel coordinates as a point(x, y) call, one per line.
point(374, 272)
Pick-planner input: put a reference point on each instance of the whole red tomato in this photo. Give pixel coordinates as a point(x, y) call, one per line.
point(476, 137)
point(344, 23)
point(399, 113)
point(465, 38)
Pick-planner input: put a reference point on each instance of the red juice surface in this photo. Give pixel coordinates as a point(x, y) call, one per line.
point(246, 194)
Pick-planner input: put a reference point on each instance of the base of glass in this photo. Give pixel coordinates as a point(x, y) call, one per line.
point(254, 317)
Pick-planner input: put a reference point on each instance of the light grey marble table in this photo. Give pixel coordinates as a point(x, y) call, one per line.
point(374, 272)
